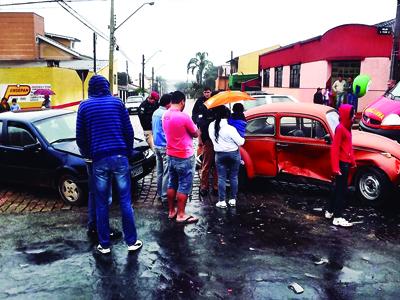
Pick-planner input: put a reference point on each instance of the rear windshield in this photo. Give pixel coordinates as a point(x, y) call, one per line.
point(134, 100)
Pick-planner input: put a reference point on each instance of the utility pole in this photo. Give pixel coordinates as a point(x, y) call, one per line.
point(152, 78)
point(143, 75)
point(94, 52)
point(394, 65)
point(113, 27)
point(111, 54)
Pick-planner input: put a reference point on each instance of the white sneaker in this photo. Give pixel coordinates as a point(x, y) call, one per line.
point(221, 204)
point(341, 222)
point(135, 246)
point(232, 202)
point(328, 215)
point(103, 250)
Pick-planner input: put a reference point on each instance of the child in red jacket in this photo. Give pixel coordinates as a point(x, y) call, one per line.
point(342, 158)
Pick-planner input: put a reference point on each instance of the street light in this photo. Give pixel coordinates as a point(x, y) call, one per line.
point(143, 63)
point(113, 28)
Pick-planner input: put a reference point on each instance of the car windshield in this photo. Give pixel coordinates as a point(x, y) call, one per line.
point(58, 128)
point(333, 119)
point(394, 93)
point(259, 100)
point(134, 100)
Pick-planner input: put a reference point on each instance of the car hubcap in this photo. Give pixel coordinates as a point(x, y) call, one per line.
point(70, 190)
point(370, 187)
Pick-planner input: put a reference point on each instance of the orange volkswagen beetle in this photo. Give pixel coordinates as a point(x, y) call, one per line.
point(295, 139)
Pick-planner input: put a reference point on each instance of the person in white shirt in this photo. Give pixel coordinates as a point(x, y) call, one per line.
point(226, 141)
point(338, 89)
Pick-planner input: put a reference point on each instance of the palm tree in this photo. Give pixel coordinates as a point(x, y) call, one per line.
point(199, 63)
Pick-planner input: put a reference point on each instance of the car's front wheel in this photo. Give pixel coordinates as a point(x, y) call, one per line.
point(70, 191)
point(372, 186)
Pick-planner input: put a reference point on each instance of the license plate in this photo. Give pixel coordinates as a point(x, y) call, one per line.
point(136, 171)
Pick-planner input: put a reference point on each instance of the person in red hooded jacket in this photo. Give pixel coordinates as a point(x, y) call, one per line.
point(342, 159)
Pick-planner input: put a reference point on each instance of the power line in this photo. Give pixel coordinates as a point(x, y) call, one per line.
point(85, 22)
point(45, 1)
point(81, 19)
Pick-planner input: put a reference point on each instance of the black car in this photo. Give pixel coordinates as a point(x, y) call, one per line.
point(39, 148)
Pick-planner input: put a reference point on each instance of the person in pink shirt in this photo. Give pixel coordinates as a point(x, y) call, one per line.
point(179, 132)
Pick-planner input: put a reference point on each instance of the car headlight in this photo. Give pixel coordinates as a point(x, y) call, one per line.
point(391, 120)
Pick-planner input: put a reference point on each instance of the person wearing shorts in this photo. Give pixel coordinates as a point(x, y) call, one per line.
point(179, 131)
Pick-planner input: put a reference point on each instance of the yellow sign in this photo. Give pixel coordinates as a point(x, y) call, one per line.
point(376, 112)
point(17, 90)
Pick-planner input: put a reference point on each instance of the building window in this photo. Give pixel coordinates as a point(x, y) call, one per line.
point(278, 77)
point(266, 77)
point(294, 76)
point(348, 68)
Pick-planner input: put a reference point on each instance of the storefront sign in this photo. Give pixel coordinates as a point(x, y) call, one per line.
point(22, 92)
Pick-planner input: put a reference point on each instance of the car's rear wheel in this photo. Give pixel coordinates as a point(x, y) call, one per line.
point(70, 191)
point(372, 186)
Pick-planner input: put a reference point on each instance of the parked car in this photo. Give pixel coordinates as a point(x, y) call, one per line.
point(132, 103)
point(39, 148)
point(383, 115)
point(262, 99)
point(295, 139)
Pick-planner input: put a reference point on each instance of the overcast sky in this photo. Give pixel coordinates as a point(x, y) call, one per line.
point(180, 28)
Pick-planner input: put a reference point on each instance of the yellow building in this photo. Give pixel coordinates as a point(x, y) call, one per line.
point(248, 63)
point(21, 83)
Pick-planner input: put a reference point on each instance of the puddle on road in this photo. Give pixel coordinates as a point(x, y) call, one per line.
point(50, 251)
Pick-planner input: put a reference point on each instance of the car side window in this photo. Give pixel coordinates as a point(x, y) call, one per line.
point(261, 126)
point(301, 127)
point(19, 135)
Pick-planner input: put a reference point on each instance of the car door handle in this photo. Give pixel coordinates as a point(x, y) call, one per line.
point(282, 145)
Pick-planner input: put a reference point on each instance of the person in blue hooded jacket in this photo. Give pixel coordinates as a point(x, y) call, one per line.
point(104, 135)
point(237, 119)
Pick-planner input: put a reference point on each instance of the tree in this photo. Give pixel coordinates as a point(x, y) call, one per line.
point(210, 75)
point(160, 85)
point(199, 63)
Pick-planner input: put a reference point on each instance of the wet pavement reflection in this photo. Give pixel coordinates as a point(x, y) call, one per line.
point(275, 236)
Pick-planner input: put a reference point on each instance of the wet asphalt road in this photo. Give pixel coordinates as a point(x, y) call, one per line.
point(275, 236)
point(272, 238)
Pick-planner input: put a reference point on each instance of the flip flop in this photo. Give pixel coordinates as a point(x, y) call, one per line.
point(173, 217)
point(188, 220)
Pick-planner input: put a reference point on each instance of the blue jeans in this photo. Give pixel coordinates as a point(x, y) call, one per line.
point(105, 171)
point(162, 172)
point(339, 99)
point(228, 164)
point(180, 174)
point(91, 200)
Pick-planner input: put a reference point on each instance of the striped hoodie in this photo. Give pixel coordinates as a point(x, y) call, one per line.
point(103, 127)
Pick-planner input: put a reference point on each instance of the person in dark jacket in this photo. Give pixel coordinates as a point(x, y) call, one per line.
point(104, 135)
point(237, 119)
point(202, 117)
point(318, 97)
point(145, 113)
point(342, 159)
point(4, 106)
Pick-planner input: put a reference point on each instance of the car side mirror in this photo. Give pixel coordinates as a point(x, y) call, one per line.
point(327, 139)
point(33, 147)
